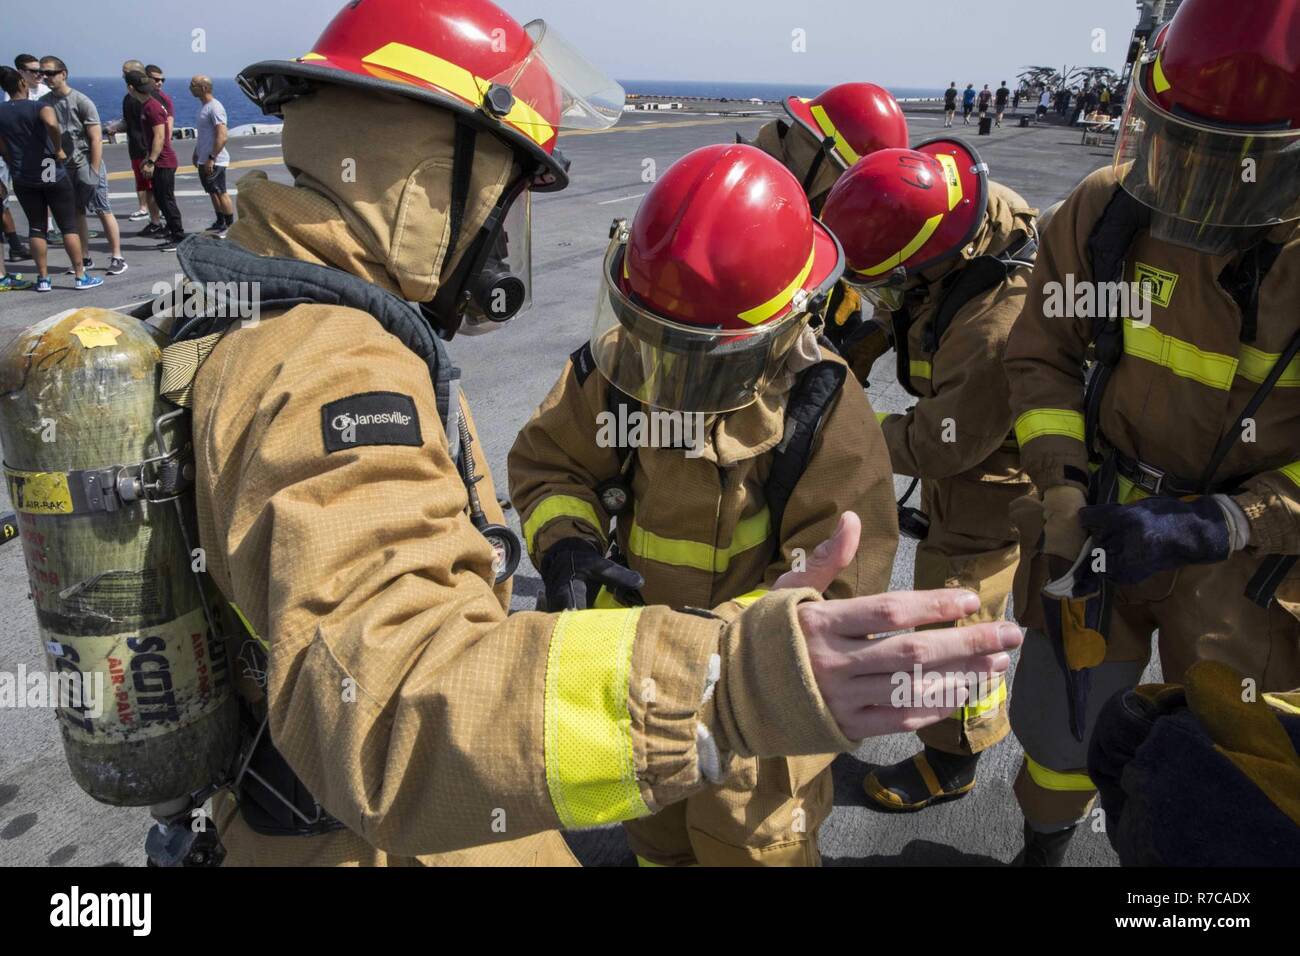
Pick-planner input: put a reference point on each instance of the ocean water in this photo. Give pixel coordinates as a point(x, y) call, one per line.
point(107, 92)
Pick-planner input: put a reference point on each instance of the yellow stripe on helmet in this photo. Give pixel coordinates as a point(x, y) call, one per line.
point(952, 178)
point(902, 255)
point(457, 80)
point(1158, 78)
point(828, 128)
point(783, 298)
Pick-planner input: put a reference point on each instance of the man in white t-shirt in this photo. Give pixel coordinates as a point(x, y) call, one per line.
point(210, 155)
point(30, 67)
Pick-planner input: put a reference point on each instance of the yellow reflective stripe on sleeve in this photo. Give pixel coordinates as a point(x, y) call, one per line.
point(559, 506)
point(1255, 366)
point(881, 416)
point(906, 252)
point(1182, 358)
point(590, 765)
point(987, 704)
point(1055, 780)
point(606, 601)
point(828, 128)
point(456, 79)
point(1038, 422)
point(919, 368)
point(1288, 702)
point(1292, 471)
point(749, 533)
point(783, 298)
point(642, 861)
point(745, 600)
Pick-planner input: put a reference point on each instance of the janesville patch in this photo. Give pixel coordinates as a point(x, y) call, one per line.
point(370, 418)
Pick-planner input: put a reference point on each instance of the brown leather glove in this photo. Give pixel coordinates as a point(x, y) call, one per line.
point(1063, 535)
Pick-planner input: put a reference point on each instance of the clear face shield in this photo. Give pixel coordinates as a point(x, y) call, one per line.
point(1212, 189)
point(501, 283)
point(688, 368)
point(588, 99)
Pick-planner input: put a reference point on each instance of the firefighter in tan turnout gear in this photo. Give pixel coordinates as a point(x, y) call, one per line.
point(940, 251)
point(768, 451)
point(393, 713)
point(1171, 486)
point(823, 138)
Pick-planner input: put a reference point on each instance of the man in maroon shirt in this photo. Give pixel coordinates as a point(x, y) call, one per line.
point(159, 166)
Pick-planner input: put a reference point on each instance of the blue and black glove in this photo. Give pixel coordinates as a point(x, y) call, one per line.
point(1160, 534)
point(573, 570)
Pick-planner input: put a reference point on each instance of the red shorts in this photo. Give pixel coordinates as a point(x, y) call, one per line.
point(141, 184)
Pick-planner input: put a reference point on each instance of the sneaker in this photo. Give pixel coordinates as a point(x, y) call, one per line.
point(43, 284)
point(87, 263)
point(138, 215)
point(152, 231)
point(87, 282)
point(14, 282)
point(19, 250)
point(220, 233)
point(218, 226)
point(116, 266)
point(170, 244)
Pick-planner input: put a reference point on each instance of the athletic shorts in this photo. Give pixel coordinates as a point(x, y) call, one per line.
point(92, 197)
point(142, 185)
point(966, 110)
point(48, 199)
point(217, 184)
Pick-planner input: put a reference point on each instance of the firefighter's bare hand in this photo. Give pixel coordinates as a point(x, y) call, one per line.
point(828, 559)
point(862, 677)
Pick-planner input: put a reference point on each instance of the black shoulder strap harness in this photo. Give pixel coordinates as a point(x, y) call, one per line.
point(810, 399)
point(1108, 247)
point(978, 277)
point(283, 283)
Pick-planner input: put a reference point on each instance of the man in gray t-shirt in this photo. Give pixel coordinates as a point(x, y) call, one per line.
point(83, 143)
point(210, 156)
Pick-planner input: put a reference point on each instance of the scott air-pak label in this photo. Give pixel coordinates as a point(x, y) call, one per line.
point(370, 418)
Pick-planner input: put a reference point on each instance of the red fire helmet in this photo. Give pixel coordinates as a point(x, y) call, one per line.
point(1211, 129)
point(901, 211)
point(709, 287)
point(860, 118)
point(521, 83)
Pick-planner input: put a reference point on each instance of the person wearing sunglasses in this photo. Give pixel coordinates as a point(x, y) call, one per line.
point(29, 67)
point(941, 252)
point(83, 142)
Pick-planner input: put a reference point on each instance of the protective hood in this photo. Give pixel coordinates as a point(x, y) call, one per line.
point(798, 151)
point(372, 190)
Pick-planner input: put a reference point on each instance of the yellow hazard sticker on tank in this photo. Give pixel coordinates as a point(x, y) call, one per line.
point(39, 492)
point(1156, 285)
point(95, 333)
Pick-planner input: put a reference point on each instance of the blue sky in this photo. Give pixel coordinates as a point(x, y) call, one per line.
point(921, 43)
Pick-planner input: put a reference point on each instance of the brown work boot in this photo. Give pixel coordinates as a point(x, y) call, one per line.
point(931, 776)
